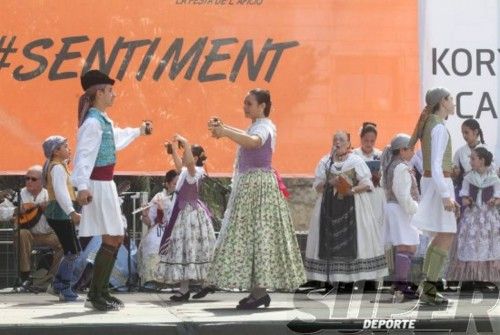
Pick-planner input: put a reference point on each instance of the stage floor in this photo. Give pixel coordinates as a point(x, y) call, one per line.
point(153, 313)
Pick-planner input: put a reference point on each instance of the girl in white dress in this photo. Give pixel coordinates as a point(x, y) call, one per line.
point(473, 136)
point(402, 195)
point(478, 242)
point(156, 218)
point(436, 211)
point(371, 155)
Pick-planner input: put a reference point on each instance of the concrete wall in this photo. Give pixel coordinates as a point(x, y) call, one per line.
point(301, 201)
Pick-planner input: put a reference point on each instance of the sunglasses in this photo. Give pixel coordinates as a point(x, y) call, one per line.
point(28, 178)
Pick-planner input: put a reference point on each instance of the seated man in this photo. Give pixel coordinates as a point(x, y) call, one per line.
point(35, 232)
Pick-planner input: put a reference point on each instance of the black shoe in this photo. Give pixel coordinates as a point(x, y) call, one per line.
point(252, 303)
point(113, 300)
point(467, 286)
point(99, 304)
point(204, 291)
point(410, 295)
point(440, 286)
point(26, 286)
point(244, 300)
point(181, 298)
point(485, 287)
point(345, 287)
point(370, 286)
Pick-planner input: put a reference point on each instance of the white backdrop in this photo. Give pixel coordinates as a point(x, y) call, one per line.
point(459, 50)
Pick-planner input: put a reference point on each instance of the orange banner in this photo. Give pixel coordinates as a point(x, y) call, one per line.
point(329, 65)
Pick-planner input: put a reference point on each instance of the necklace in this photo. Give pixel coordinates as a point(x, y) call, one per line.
point(338, 165)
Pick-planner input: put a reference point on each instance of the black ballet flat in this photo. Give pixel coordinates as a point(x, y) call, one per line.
point(203, 293)
point(181, 298)
point(244, 300)
point(255, 303)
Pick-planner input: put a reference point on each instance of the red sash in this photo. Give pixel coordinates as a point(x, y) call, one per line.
point(104, 173)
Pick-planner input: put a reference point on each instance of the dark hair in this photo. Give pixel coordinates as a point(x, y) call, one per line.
point(368, 127)
point(474, 125)
point(483, 153)
point(396, 152)
point(263, 97)
point(197, 150)
point(170, 175)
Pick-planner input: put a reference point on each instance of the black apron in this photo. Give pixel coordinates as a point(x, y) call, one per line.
point(337, 227)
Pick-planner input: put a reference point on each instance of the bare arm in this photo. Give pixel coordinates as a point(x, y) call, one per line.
point(243, 139)
point(188, 155)
point(219, 129)
point(241, 131)
point(175, 156)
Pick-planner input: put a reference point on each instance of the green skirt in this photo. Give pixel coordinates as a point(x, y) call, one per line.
point(258, 247)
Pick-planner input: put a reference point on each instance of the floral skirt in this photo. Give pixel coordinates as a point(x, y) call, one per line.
point(477, 253)
point(190, 251)
point(258, 247)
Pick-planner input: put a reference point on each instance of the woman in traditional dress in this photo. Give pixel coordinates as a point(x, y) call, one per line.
point(345, 241)
point(257, 247)
point(188, 242)
point(371, 155)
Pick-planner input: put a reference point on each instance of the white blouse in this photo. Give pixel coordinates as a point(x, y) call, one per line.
point(374, 155)
point(401, 186)
point(184, 175)
point(263, 128)
point(439, 141)
point(59, 182)
point(363, 173)
point(88, 142)
point(164, 201)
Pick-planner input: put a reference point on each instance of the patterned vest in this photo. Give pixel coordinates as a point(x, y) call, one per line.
point(486, 193)
point(107, 150)
point(389, 193)
point(53, 210)
point(431, 122)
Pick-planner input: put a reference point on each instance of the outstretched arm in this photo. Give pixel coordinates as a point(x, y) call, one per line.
point(243, 139)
